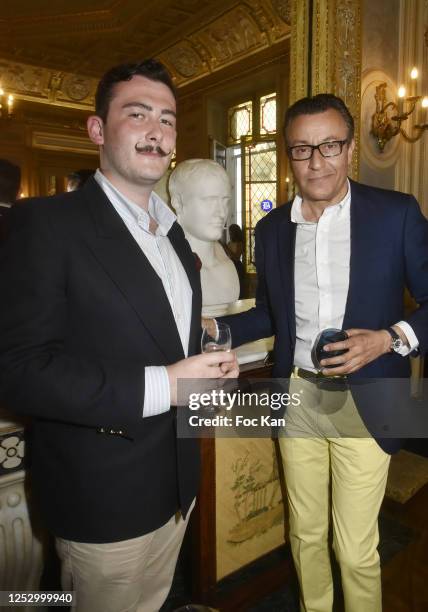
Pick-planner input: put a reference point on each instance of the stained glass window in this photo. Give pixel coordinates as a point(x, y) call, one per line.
point(268, 114)
point(240, 121)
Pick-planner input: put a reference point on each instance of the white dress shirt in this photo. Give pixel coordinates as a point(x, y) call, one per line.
point(167, 265)
point(321, 272)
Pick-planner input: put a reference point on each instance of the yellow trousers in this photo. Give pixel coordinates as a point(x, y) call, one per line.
point(331, 476)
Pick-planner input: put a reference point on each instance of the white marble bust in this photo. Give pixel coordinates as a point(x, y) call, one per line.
point(201, 195)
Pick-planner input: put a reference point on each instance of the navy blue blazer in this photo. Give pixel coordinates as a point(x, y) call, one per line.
point(389, 251)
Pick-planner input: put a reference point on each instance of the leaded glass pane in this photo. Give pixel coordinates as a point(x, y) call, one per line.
point(240, 121)
point(260, 185)
point(268, 114)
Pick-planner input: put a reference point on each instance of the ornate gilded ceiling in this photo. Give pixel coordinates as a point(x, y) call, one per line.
point(52, 51)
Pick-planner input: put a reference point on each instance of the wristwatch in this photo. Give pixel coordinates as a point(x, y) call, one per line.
point(396, 342)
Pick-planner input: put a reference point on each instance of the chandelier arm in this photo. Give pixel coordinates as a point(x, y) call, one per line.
point(392, 104)
point(412, 138)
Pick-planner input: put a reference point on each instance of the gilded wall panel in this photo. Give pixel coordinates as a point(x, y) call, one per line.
point(299, 53)
point(333, 63)
point(348, 64)
point(336, 56)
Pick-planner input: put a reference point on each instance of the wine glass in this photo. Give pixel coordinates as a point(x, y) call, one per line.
point(221, 340)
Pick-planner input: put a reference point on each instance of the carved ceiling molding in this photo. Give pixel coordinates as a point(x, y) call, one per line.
point(246, 29)
point(283, 8)
point(47, 86)
point(73, 19)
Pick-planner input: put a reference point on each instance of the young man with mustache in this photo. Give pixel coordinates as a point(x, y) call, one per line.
point(99, 321)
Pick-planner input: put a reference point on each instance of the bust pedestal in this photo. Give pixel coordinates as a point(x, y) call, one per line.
point(21, 550)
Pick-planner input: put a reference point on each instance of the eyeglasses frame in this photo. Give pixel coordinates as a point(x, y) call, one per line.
point(313, 147)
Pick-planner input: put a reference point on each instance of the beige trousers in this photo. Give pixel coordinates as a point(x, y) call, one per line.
point(334, 471)
point(128, 576)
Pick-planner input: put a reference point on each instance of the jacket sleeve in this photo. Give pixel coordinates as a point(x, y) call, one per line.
point(37, 375)
point(416, 268)
point(257, 322)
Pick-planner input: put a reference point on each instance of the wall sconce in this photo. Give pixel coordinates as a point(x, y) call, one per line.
point(6, 104)
point(386, 126)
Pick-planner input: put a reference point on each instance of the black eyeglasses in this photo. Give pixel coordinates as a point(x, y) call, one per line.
point(327, 149)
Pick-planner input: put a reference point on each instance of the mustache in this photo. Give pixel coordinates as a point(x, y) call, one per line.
point(151, 149)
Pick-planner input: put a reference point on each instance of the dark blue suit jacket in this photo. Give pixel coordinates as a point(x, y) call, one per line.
point(389, 251)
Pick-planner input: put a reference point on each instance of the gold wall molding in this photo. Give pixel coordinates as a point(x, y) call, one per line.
point(299, 49)
point(63, 142)
point(38, 84)
point(336, 57)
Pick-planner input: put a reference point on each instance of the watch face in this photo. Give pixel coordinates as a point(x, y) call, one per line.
point(397, 343)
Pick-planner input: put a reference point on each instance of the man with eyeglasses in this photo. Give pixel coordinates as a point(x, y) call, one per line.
point(338, 256)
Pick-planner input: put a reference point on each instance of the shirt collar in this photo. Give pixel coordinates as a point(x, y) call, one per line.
point(296, 207)
point(158, 210)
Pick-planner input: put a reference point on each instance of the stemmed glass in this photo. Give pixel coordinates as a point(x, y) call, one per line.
point(221, 340)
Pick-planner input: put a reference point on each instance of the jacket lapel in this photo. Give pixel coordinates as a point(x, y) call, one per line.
point(184, 252)
point(286, 240)
point(364, 235)
point(132, 273)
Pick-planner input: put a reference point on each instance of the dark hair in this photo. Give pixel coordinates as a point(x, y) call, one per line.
point(149, 68)
point(10, 181)
point(319, 104)
point(79, 177)
point(235, 233)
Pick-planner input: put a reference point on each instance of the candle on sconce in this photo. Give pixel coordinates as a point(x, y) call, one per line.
point(424, 111)
point(414, 73)
point(10, 99)
point(401, 96)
